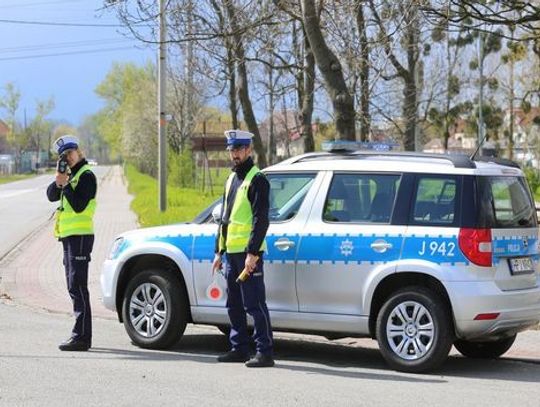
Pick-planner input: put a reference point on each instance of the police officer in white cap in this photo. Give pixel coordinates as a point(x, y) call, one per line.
point(75, 187)
point(242, 230)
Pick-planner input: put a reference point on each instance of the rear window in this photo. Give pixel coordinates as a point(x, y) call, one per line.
point(505, 202)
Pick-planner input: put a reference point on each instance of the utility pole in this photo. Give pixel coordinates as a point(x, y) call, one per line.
point(162, 122)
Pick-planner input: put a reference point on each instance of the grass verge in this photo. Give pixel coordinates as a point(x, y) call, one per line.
point(4, 179)
point(183, 204)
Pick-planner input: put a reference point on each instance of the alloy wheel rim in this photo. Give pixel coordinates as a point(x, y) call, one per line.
point(147, 310)
point(410, 330)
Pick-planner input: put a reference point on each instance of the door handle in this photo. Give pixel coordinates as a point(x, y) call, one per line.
point(380, 246)
point(283, 244)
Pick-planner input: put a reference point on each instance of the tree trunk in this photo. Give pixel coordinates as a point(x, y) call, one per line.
point(332, 74)
point(243, 90)
point(511, 124)
point(300, 61)
point(229, 66)
point(233, 104)
point(271, 147)
point(308, 97)
point(409, 113)
point(408, 75)
point(512, 97)
point(446, 130)
point(410, 104)
point(365, 117)
point(305, 87)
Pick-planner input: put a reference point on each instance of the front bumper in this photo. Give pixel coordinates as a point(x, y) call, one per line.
point(108, 281)
point(518, 309)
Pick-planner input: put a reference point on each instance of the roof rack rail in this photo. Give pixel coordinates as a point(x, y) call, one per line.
point(303, 157)
point(498, 160)
point(458, 160)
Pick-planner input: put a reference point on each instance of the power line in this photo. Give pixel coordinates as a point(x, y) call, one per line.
point(94, 51)
point(19, 49)
point(58, 24)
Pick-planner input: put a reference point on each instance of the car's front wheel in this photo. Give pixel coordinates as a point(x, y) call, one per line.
point(155, 309)
point(485, 350)
point(414, 330)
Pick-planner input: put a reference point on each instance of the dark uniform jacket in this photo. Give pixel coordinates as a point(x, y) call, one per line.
point(79, 197)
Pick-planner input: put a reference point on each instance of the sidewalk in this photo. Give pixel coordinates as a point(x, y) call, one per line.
point(33, 274)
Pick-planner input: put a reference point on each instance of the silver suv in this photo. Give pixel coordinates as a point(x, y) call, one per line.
point(421, 252)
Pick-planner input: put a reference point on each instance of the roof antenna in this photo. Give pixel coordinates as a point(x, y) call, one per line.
point(473, 156)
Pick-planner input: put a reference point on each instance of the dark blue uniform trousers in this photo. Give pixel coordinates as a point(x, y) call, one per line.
point(77, 251)
point(247, 297)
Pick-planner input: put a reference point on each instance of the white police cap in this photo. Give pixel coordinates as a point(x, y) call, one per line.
point(67, 142)
point(238, 138)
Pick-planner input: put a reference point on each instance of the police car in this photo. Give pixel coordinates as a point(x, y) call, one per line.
point(419, 251)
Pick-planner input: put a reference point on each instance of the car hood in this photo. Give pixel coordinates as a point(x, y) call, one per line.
point(179, 236)
point(178, 229)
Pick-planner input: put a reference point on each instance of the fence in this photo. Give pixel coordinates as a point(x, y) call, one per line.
point(7, 164)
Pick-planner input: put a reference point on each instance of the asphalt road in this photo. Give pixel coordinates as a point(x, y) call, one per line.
point(309, 371)
point(24, 207)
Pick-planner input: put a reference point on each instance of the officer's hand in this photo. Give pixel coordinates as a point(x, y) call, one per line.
point(251, 262)
point(217, 263)
point(61, 180)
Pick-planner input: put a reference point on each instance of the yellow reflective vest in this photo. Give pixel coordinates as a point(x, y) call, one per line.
point(241, 218)
point(71, 223)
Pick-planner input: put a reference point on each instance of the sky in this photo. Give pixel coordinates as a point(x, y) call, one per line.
point(52, 59)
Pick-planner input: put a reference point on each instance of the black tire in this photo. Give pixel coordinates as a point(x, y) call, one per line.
point(426, 337)
point(484, 350)
point(160, 319)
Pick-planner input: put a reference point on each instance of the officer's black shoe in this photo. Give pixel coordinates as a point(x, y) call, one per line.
point(233, 356)
point(260, 360)
point(74, 345)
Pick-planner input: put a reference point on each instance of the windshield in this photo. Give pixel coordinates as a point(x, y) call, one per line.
point(206, 215)
point(506, 202)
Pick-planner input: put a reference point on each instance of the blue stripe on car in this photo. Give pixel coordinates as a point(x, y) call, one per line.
point(347, 248)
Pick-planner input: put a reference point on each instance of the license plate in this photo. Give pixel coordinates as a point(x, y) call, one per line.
point(521, 265)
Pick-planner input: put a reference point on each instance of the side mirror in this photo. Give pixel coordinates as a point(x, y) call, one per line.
point(216, 213)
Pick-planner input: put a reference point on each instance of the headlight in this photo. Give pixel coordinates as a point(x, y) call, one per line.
point(116, 246)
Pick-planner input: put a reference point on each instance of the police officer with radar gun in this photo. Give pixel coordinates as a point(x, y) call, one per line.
point(75, 187)
point(243, 226)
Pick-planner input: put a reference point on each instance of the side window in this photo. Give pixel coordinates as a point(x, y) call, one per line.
point(435, 200)
point(361, 198)
point(287, 192)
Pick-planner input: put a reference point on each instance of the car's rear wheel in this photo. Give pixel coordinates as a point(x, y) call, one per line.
point(155, 310)
point(414, 331)
point(485, 350)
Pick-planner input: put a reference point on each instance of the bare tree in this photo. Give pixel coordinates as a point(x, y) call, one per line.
point(365, 116)
point(407, 14)
point(242, 86)
point(306, 93)
point(331, 71)
point(229, 65)
point(524, 15)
